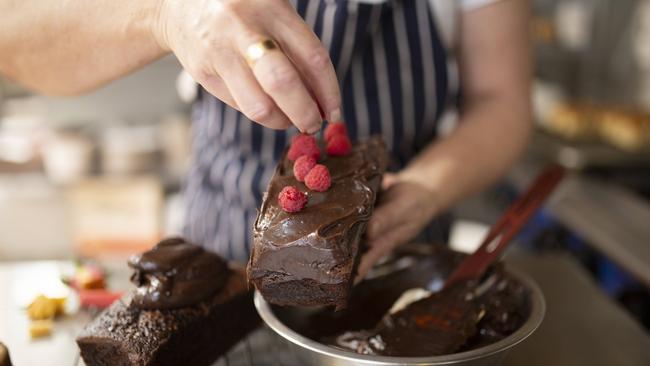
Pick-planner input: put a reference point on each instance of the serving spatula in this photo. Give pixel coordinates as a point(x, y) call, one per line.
point(508, 226)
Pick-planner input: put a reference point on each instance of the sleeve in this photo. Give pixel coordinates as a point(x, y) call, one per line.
point(467, 5)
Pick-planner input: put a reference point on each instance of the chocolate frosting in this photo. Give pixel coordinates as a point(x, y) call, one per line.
point(315, 243)
point(175, 274)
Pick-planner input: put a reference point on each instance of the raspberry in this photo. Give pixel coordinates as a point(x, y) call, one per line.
point(291, 199)
point(318, 178)
point(333, 129)
point(339, 145)
point(303, 145)
point(302, 166)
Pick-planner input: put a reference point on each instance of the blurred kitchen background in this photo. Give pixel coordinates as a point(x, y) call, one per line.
point(100, 175)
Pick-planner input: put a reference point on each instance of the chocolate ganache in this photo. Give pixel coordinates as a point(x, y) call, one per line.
point(175, 274)
point(307, 257)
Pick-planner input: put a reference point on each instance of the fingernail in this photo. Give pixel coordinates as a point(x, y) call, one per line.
point(334, 115)
point(315, 128)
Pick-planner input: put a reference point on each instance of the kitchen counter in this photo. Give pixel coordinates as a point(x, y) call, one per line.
point(582, 325)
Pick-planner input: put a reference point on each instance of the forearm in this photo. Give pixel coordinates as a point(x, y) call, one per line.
point(496, 119)
point(67, 47)
point(490, 136)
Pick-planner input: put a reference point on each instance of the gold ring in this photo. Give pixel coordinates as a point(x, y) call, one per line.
point(258, 49)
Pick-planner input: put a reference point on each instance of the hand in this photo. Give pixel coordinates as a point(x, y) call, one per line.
point(285, 86)
point(405, 207)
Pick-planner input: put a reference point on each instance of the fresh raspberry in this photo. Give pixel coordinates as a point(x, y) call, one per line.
point(318, 178)
point(333, 129)
point(303, 144)
point(302, 166)
point(339, 145)
point(291, 199)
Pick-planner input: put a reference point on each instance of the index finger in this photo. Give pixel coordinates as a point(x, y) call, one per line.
point(279, 78)
point(311, 58)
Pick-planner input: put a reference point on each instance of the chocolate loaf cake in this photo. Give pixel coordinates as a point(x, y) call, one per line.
point(310, 257)
point(188, 308)
point(4, 356)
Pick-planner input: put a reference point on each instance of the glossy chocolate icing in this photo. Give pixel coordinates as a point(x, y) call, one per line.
point(320, 242)
point(175, 274)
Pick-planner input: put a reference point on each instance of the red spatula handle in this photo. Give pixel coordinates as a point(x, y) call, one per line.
point(509, 225)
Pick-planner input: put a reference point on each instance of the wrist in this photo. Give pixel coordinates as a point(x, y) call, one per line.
point(428, 195)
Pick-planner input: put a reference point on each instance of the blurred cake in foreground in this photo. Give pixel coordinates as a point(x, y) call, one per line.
point(4, 356)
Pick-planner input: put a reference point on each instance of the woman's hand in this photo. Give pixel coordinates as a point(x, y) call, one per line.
point(404, 209)
point(492, 131)
point(285, 86)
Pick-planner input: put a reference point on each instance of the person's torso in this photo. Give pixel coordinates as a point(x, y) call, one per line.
point(392, 69)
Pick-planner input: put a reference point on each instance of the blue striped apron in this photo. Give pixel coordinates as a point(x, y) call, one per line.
point(392, 67)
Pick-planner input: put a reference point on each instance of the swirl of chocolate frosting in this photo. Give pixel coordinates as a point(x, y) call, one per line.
point(175, 274)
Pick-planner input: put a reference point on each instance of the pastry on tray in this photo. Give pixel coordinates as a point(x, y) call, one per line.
point(188, 308)
point(308, 231)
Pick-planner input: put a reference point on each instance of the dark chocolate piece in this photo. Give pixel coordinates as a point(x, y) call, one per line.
point(195, 334)
point(309, 257)
point(4, 356)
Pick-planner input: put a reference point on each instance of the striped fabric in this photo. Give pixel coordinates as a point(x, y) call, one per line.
point(393, 73)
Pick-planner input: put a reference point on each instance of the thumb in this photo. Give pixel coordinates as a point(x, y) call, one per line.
point(380, 221)
point(368, 260)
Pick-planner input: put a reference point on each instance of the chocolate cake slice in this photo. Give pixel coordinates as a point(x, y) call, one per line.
point(188, 308)
point(4, 356)
point(310, 257)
